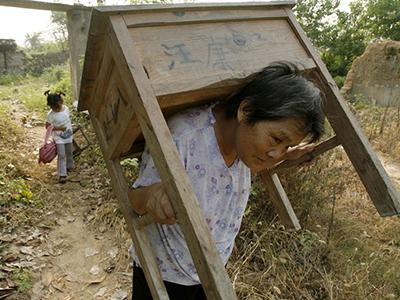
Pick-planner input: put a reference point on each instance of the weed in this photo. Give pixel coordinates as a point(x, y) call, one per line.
point(23, 279)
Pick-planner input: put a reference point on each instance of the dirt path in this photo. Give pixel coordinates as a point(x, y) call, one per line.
point(70, 256)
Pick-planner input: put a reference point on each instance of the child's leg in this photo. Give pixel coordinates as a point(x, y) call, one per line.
point(61, 160)
point(70, 157)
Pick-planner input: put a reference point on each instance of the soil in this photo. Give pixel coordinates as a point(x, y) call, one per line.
point(71, 256)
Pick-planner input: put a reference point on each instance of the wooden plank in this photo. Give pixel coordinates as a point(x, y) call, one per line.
point(78, 27)
point(129, 125)
point(194, 17)
point(142, 244)
point(106, 66)
point(186, 58)
point(280, 200)
point(93, 59)
point(319, 149)
point(374, 177)
point(42, 5)
point(117, 116)
point(123, 9)
point(208, 262)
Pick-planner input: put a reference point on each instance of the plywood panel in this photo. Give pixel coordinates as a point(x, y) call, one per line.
point(116, 112)
point(190, 57)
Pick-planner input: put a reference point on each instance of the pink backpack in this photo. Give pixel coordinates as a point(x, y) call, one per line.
point(49, 150)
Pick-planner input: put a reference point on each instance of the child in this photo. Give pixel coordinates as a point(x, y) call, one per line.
point(58, 117)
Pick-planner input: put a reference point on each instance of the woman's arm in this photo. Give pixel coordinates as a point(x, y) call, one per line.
point(153, 200)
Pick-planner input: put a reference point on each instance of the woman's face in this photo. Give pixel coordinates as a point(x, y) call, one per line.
point(265, 143)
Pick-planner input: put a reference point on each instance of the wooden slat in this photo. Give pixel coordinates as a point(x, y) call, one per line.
point(142, 244)
point(93, 58)
point(124, 9)
point(374, 177)
point(319, 149)
point(195, 17)
point(208, 262)
point(42, 5)
point(280, 200)
point(102, 82)
point(129, 129)
point(117, 115)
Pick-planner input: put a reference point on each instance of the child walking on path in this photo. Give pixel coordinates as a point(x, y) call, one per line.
point(59, 118)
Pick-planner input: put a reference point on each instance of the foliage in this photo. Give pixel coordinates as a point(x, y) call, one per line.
point(23, 279)
point(315, 17)
point(342, 36)
point(34, 42)
point(36, 63)
point(60, 30)
point(382, 18)
point(11, 79)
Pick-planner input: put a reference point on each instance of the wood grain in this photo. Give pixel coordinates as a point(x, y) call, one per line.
point(208, 263)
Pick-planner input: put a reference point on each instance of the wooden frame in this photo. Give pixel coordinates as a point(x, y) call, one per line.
point(128, 89)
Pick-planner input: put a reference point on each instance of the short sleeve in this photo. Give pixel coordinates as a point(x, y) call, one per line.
point(67, 111)
point(148, 173)
point(49, 119)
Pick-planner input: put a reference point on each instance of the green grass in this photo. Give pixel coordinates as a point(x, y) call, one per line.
point(29, 90)
point(23, 279)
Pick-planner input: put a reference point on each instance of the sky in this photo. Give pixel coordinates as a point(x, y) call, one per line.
point(15, 23)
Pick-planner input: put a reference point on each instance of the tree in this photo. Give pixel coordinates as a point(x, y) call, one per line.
point(34, 41)
point(60, 30)
point(317, 19)
point(7, 46)
point(348, 40)
point(382, 18)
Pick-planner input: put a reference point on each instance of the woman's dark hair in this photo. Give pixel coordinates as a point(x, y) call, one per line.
point(277, 92)
point(54, 99)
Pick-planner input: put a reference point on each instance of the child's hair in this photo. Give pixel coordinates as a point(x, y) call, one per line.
point(277, 92)
point(54, 99)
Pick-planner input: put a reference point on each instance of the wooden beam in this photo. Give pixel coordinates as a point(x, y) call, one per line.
point(280, 200)
point(194, 6)
point(374, 177)
point(142, 245)
point(195, 17)
point(42, 5)
point(78, 26)
point(207, 260)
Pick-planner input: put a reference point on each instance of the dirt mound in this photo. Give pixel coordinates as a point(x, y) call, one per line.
point(376, 74)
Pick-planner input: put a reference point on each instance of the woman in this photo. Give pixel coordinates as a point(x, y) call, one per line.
point(220, 146)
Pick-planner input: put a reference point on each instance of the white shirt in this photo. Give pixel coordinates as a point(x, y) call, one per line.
point(222, 193)
point(61, 119)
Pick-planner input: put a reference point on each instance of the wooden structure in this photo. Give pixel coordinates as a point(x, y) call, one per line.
point(143, 63)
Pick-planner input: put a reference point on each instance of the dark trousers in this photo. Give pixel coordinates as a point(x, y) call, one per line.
point(141, 291)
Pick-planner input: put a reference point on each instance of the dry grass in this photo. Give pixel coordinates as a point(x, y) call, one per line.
point(344, 251)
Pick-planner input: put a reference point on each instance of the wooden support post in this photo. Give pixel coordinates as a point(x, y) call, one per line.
point(355, 143)
point(206, 258)
point(142, 244)
point(280, 200)
point(78, 27)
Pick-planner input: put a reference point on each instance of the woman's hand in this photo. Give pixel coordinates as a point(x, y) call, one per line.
point(296, 152)
point(154, 201)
